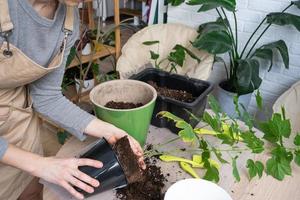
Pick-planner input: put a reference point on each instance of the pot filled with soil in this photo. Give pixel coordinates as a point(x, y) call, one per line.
point(177, 94)
point(225, 97)
point(128, 104)
point(121, 171)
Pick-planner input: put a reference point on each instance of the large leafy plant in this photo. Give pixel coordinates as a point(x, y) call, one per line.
point(233, 140)
point(217, 37)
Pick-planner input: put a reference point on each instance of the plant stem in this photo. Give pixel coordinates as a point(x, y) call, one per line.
point(236, 33)
point(257, 28)
point(231, 33)
point(260, 36)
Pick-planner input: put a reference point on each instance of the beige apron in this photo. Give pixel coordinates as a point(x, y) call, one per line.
point(19, 124)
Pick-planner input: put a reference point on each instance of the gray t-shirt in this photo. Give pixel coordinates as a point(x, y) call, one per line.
point(40, 38)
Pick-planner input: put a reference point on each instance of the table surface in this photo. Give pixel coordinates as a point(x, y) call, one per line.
point(266, 188)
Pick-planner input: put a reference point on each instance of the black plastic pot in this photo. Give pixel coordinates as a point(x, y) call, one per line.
point(198, 88)
point(111, 175)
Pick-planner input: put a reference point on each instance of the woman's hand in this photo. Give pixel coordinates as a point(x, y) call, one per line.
point(65, 172)
point(112, 134)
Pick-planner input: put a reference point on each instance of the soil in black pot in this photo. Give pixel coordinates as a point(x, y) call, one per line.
point(179, 95)
point(150, 188)
point(128, 161)
point(122, 105)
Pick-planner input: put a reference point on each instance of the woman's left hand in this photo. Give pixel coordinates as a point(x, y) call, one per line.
point(112, 134)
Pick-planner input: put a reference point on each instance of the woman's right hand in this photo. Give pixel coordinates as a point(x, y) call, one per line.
point(65, 172)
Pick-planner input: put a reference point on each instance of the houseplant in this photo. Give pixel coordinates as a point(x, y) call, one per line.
point(236, 139)
point(217, 37)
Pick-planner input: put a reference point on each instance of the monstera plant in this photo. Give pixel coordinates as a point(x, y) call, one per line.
point(217, 37)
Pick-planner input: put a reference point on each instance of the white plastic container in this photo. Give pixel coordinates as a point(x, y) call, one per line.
point(196, 189)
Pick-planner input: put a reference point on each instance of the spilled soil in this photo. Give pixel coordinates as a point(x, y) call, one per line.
point(122, 105)
point(179, 95)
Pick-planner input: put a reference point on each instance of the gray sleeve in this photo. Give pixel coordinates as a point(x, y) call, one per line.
point(49, 102)
point(3, 147)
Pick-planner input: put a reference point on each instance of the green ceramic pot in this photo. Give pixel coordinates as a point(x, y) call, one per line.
point(134, 121)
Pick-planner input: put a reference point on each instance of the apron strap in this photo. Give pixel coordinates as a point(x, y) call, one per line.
point(5, 22)
point(69, 20)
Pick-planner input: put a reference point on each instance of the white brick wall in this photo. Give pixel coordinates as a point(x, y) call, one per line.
point(250, 13)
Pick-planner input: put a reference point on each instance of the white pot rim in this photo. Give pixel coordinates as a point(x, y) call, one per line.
point(207, 190)
point(105, 84)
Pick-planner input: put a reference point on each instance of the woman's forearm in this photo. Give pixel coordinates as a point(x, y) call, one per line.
point(20, 159)
point(99, 128)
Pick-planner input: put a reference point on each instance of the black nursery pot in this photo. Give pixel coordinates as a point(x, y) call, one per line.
point(111, 175)
point(198, 88)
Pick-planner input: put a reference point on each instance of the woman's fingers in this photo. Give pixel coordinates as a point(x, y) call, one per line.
point(76, 182)
point(87, 179)
point(71, 190)
point(89, 162)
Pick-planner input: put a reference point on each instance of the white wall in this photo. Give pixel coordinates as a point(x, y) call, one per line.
point(250, 13)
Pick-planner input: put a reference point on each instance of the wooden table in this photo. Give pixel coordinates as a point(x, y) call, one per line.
point(267, 188)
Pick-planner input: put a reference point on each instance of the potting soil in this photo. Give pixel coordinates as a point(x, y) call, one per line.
point(149, 187)
point(179, 95)
point(128, 160)
point(122, 105)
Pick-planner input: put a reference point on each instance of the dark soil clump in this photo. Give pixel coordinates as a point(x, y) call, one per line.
point(128, 161)
point(122, 105)
point(179, 95)
point(149, 189)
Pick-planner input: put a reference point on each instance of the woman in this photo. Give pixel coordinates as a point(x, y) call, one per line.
point(35, 40)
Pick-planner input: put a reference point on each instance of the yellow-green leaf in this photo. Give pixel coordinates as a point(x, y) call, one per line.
point(187, 168)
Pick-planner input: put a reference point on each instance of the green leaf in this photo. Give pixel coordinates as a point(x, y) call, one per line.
point(216, 42)
point(259, 100)
point(149, 43)
point(247, 118)
point(230, 5)
point(279, 165)
point(212, 173)
point(270, 48)
point(219, 156)
point(214, 104)
point(278, 168)
point(266, 54)
point(154, 56)
point(296, 3)
point(71, 56)
point(213, 123)
point(177, 55)
point(189, 52)
point(247, 74)
point(186, 133)
point(297, 139)
point(175, 2)
point(283, 19)
point(235, 171)
point(62, 136)
point(255, 168)
point(276, 128)
point(251, 168)
point(259, 168)
point(254, 143)
point(297, 157)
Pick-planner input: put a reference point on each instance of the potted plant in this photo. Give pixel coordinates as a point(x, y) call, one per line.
point(217, 37)
point(178, 94)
